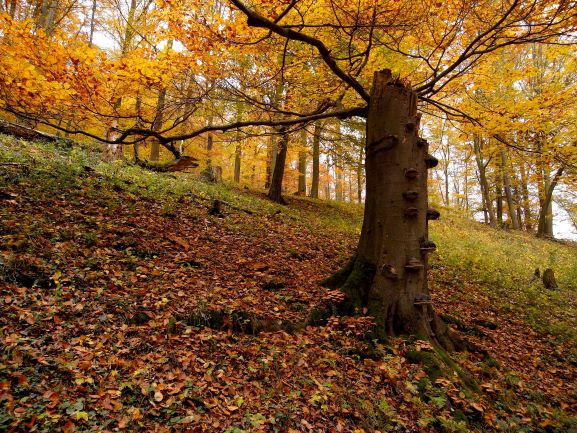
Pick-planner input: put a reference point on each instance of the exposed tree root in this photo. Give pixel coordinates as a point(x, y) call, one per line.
point(357, 279)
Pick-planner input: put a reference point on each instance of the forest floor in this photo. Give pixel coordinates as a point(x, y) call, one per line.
point(125, 306)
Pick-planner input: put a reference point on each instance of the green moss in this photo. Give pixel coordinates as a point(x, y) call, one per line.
point(340, 277)
point(429, 360)
point(358, 283)
point(467, 379)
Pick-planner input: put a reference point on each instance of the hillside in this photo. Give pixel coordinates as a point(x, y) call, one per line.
point(126, 306)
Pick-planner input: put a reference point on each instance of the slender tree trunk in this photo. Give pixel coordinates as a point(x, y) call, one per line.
point(159, 117)
point(360, 175)
point(237, 159)
point(138, 108)
point(302, 164)
point(499, 196)
point(316, 160)
point(157, 124)
point(387, 278)
point(483, 183)
point(210, 173)
point(548, 201)
point(446, 170)
point(328, 189)
point(12, 8)
point(47, 16)
point(275, 191)
point(92, 23)
point(338, 179)
point(238, 148)
point(270, 160)
point(528, 219)
point(253, 170)
point(508, 192)
point(209, 143)
point(273, 146)
point(545, 228)
point(350, 176)
point(466, 184)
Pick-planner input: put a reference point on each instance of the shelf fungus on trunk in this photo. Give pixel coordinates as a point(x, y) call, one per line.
point(411, 173)
point(422, 299)
point(411, 212)
point(414, 265)
point(433, 214)
point(421, 142)
point(431, 161)
point(410, 195)
point(428, 246)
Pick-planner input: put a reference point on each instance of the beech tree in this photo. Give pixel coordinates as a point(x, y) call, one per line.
point(386, 278)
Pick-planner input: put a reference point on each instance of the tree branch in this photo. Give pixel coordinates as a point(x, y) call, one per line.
point(256, 20)
point(340, 114)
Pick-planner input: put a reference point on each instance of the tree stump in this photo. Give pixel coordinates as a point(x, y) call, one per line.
point(549, 279)
point(216, 209)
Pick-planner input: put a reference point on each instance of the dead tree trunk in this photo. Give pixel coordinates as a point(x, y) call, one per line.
point(387, 279)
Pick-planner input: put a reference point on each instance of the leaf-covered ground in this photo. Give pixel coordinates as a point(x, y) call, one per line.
point(125, 306)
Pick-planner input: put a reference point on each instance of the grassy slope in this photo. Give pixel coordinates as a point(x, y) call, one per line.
point(109, 277)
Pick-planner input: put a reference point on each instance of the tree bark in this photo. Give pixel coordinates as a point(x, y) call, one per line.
point(138, 109)
point(387, 278)
point(273, 147)
point(545, 228)
point(302, 164)
point(338, 178)
point(92, 23)
point(316, 160)
point(483, 183)
point(275, 191)
point(528, 219)
point(47, 18)
point(238, 149)
point(237, 159)
point(498, 176)
point(159, 117)
point(508, 192)
point(270, 160)
point(12, 8)
point(360, 175)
